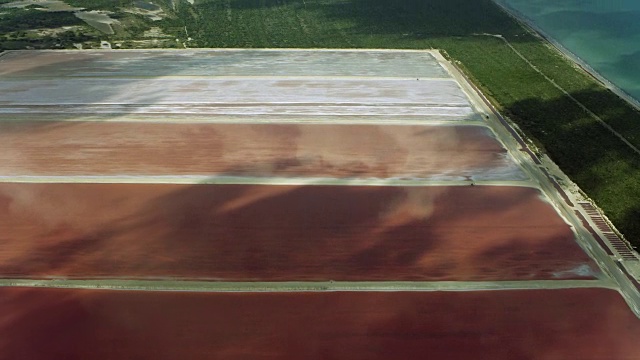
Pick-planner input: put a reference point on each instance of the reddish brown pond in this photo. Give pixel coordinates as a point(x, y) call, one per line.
point(272, 233)
point(585, 324)
point(119, 148)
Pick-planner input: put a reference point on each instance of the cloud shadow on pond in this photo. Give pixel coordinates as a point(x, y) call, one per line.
point(275, 233)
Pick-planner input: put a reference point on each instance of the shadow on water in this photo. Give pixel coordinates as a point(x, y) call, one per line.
point(230, 232)
point(276, 233)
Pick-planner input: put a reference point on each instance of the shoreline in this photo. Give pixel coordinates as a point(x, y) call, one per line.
point(534, 29)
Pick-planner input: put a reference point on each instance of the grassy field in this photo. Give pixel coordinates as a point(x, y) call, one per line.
point(602, 165)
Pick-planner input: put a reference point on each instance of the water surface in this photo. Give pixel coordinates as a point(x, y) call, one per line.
point(605, 34)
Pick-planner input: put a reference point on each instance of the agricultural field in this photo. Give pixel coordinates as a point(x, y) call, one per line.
point(604, 167)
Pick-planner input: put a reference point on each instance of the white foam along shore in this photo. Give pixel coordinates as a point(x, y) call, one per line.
point(531, 26)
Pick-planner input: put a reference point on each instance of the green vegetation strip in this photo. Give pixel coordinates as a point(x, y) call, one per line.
point(596, 159)
point(285, 286)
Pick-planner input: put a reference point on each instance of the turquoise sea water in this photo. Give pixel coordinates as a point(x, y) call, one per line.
point(605, 34)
